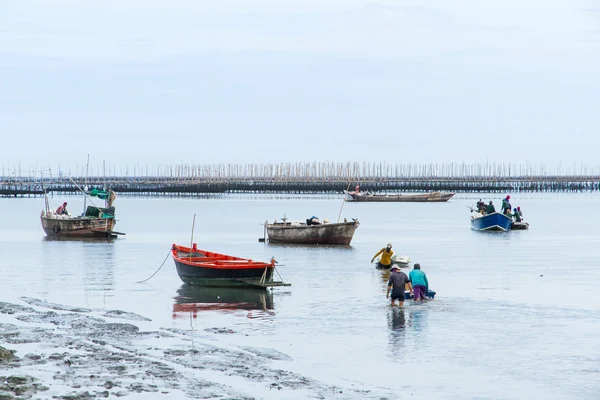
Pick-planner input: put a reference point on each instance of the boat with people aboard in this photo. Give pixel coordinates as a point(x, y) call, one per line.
point(490, 222)
point(485, 217)
point(430, 197)
point(313, 231)
point(94, 222)
point(207, 268)
point(401, 262)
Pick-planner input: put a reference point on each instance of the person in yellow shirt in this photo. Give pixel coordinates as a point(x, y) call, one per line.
point(386, 256)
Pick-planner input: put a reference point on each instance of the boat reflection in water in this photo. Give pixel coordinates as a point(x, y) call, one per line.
point(192, 299)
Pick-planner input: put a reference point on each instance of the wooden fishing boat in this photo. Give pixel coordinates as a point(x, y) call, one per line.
point(339, 233)
point(206, 268)
point(192, 299)
point(490, 222)
point(432, 197)
point(95, 222)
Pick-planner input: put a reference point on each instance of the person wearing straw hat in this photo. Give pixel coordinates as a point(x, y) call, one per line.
point(386, 256)
point(396, 285)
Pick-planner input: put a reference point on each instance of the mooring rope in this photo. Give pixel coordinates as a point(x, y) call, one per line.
point(161, 265)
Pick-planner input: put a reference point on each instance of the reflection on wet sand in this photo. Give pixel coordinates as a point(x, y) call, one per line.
point(77, 239)
point(341, 247)
point(191, 299)
point(397, 325)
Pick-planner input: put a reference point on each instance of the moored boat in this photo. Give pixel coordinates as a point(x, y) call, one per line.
point(206, 268)
point(95, 222)
point(432, 197)
point(339, 233)
point(490, 222)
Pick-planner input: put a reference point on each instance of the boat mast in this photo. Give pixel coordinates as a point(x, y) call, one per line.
point(192, 238)
point(85, 188)
point(104, 172)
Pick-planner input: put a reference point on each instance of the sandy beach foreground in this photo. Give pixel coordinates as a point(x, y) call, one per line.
point(57, 351)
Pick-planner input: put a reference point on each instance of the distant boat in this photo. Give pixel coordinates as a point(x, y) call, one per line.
point(432, 197)
point(302, 233)
point(206, 268)
point(490, 222)
point(96, 222)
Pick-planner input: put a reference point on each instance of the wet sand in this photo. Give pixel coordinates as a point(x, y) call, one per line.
point(56, 351)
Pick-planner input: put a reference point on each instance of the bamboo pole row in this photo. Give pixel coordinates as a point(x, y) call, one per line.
point(301, 170)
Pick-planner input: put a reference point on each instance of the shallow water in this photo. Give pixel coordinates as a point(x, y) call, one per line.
point(517, 314)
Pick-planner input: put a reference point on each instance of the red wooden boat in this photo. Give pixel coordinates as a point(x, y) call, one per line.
point(206, 268)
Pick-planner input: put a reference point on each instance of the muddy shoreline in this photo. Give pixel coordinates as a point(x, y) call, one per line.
point(56, 351)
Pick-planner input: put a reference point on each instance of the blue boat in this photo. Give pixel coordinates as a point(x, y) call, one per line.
point(490, 222)
point(430, 295)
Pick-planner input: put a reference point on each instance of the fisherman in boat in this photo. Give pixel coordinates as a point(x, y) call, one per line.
point(62, 210)
point(386, 256)
point(419, 282)
point(396, 284)
point(490, 208)
point(520, 213)
point(506, 205)
point(481, 207)
point(517, 215)
point(313, 221)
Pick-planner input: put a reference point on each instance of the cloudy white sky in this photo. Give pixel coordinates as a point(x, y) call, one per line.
point(237, 81)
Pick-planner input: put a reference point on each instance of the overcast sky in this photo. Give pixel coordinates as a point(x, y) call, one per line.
point(238, 81)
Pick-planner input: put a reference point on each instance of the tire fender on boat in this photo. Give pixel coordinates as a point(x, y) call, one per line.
point(56, 229)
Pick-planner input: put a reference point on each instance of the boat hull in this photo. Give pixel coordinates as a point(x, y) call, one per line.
point(331, 233)
point(491, 222)
point(220, 270)
point(434, 197)
point(430, 294)
point(83, 227)
point(519, 226)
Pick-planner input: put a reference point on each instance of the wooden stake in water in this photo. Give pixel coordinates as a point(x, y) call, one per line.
point(343, 201)
point(192, 240)
point(85, 188)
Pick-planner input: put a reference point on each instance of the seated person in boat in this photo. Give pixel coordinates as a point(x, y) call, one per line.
point(520, 213)
point(313, 221)
point(490, 208)
point(386, 256)
point(396, 284)
point(62, 210)
point(508, 213)
point(480, 207)
point(517, 215)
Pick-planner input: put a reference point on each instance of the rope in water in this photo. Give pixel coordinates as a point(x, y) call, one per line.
point(161, 265)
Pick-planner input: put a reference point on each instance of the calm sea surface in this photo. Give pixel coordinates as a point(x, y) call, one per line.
point(517, 315)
